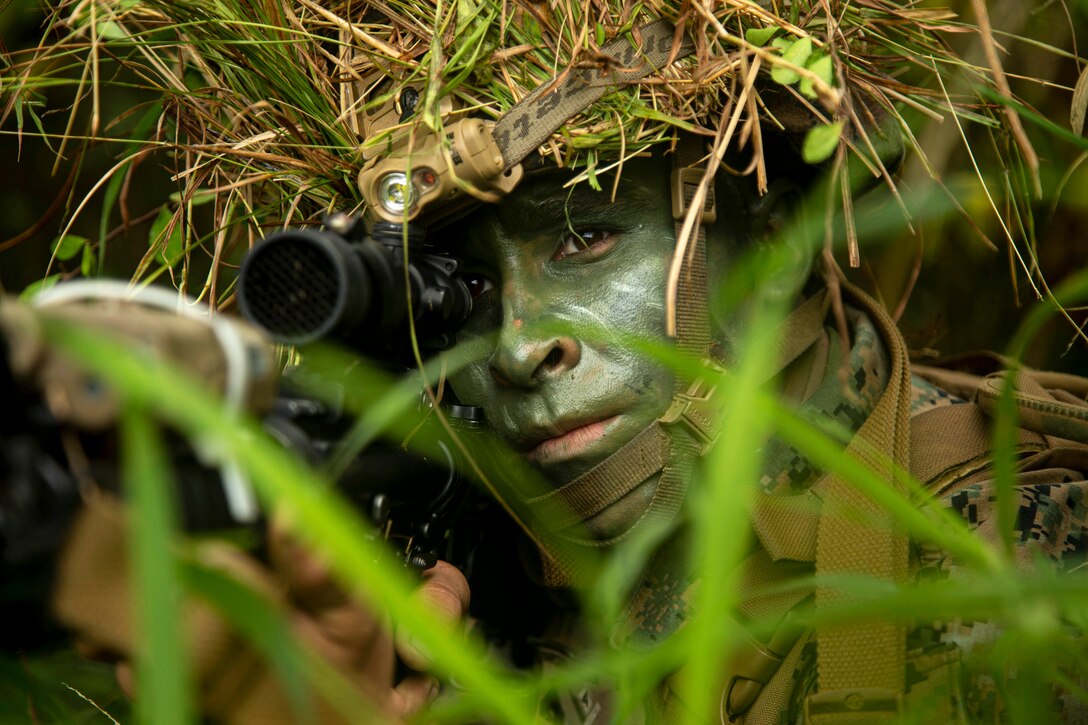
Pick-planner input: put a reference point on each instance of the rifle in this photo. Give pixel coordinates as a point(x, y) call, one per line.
point(297, 287)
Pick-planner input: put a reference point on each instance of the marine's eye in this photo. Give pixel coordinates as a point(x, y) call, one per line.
point(477, 284)
point(590, 242)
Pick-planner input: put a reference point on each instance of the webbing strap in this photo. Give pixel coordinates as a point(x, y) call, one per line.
point(684, 450)
point(801, 329)
point(952, 441)
point(786, 526)
point(857, 536)
point(533, 120)
point(1038, 409)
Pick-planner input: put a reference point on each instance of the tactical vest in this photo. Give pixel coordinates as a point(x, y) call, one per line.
point(860, 671)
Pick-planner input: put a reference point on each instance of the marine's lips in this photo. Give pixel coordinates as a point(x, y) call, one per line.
point(573, 439)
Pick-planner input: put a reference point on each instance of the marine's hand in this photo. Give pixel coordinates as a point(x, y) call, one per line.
point(345, 633)
point(351, 637)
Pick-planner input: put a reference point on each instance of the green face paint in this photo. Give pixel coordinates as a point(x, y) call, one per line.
point(546, 256)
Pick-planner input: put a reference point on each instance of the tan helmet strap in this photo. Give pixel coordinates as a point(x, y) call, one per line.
point(604, 484)
point(687, 442)
point(692, 320)
point(697, 431)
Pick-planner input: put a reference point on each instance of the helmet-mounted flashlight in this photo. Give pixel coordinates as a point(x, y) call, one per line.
point(427, 176)
point(395, 193)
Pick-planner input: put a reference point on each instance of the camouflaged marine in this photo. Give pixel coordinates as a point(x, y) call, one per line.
point(602, 170)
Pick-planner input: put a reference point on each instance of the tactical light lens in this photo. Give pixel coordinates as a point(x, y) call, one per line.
point(395, 192)
point(426, 178)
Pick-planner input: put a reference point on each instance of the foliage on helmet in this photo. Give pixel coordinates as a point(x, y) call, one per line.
point(266, 106)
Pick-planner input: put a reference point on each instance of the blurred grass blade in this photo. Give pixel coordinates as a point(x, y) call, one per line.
point(162, 673)
point(258, 622)
point(718, 504)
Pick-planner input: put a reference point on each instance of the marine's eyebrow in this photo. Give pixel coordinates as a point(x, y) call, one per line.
point(589, 203)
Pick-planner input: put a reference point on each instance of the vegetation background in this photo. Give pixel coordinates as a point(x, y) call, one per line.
point(955, 292)
point(961, 294)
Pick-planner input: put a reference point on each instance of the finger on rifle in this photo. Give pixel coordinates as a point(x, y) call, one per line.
point(126, 679)
point(445, 592)
point(309, 582)
point(336, 625)
point(412, 694)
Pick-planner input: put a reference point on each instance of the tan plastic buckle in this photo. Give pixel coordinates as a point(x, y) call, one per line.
point(697, 408)
point(755, 664)
point(685, 181)
point(869, 700)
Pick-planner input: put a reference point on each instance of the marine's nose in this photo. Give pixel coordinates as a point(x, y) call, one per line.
point(523, 361)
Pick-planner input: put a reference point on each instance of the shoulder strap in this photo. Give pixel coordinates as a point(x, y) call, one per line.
point(861, 667)
point(953, 442)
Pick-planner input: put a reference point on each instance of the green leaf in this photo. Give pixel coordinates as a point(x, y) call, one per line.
point(591, 172)
point(821, 142)
point(110, 30)
point(170, 248)
point(39, 286)
point(820, 65)
point(68, 246)
point(759, 36)
point(797, 53)
point(198, 198)
point(86, 265)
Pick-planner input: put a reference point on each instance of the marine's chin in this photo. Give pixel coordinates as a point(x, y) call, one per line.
point(623, 514)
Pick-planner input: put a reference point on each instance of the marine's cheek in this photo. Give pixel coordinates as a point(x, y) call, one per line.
point(474, 385)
